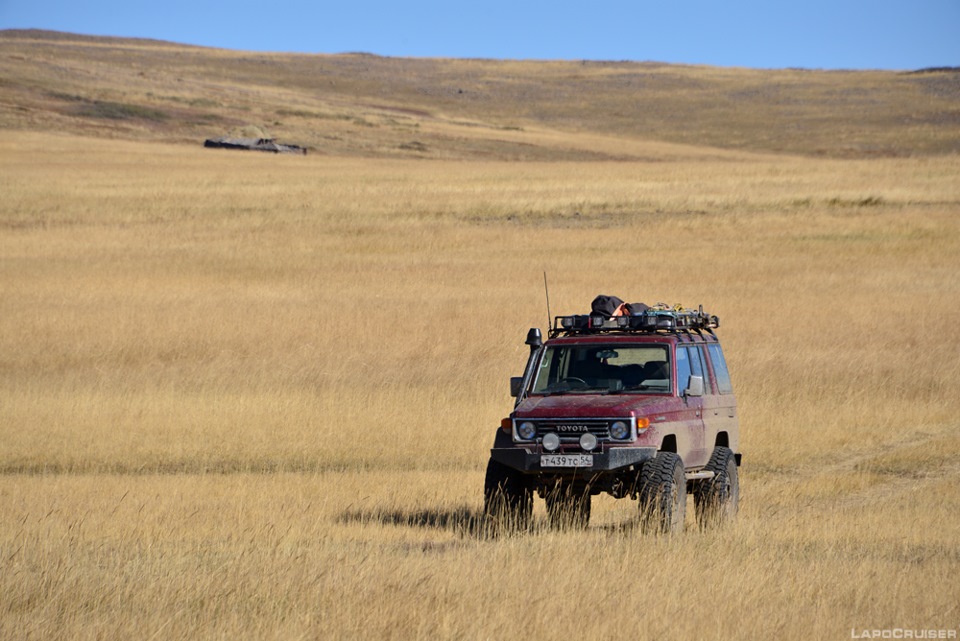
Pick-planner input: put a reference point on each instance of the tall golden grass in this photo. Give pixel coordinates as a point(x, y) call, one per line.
point(247, 396)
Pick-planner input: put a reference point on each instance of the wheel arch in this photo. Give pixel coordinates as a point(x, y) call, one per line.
point(669, 443)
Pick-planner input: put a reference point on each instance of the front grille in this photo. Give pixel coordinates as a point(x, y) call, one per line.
point(572, 429)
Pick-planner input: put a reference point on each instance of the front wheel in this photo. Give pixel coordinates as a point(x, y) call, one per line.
point(507, 497)
point(663, 494)
point(718, 499)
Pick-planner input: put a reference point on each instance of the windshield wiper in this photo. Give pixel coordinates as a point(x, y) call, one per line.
point(575, 390)
point(644, 388)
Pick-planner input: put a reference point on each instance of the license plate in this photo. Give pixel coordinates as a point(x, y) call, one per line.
point(566, 460)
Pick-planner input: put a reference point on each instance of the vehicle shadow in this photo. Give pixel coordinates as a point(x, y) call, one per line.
point(468, 522)
point(463, 521)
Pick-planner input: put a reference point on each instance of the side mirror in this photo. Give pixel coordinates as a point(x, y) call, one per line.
point(695, 388)
point(516, 386)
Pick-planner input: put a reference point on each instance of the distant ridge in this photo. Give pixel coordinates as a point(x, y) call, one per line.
point(363, 104)
point(936, 70)
point(43, 34)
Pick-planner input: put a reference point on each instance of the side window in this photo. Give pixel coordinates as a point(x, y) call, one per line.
point(698, 368)
point(720, 369)
point(683, 369)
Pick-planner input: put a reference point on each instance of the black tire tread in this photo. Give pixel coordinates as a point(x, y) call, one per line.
point(658, 478)
point(507, 496)
point(717, 499)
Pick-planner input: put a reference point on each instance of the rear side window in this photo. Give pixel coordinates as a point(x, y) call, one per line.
point(720, 369)
point(697, 366)
point(683, 369)
point(690, 363)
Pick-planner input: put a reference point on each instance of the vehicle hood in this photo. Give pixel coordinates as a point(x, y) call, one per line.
point(592, 405)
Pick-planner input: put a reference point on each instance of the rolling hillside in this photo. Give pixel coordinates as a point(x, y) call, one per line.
point(365, 105)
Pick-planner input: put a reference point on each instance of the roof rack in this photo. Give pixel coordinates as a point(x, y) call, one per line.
point(656, 319)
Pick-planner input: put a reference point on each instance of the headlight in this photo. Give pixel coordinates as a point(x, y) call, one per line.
point(620, 430)
point(526, 430)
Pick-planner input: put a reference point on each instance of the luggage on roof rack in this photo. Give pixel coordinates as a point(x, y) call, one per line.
point(660, 317)
point(608, 306)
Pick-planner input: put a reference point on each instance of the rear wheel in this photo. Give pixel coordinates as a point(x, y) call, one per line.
point(507, 497)
point(663, 494)
point(568, 507)
point(718, 499)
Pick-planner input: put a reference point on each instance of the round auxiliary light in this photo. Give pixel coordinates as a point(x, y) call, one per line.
point(619, 430)
point(526, 430)
point(588, 441)
point(551, 442)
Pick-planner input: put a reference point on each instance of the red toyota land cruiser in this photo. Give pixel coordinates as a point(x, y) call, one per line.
point(637, 406)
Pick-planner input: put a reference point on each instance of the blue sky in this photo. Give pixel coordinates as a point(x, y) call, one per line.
point(817, 34)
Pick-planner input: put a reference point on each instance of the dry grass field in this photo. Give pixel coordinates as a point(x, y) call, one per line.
point(251, 396)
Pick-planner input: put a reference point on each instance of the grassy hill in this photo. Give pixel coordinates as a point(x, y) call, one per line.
point(366, 105)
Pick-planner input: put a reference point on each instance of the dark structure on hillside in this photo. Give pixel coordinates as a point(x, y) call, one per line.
point(254, 144)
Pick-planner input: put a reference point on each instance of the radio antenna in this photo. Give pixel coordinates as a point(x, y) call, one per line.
point(546, 290)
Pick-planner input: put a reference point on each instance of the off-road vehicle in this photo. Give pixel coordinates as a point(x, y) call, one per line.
point(638, 406)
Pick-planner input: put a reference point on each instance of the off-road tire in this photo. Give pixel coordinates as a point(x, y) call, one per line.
point(718, 499)
point(662, 494)
point(507, 497)
point(568, 508)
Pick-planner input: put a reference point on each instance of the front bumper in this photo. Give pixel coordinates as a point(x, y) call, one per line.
point(613, 460)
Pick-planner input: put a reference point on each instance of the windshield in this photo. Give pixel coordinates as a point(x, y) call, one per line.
point(604, 368)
